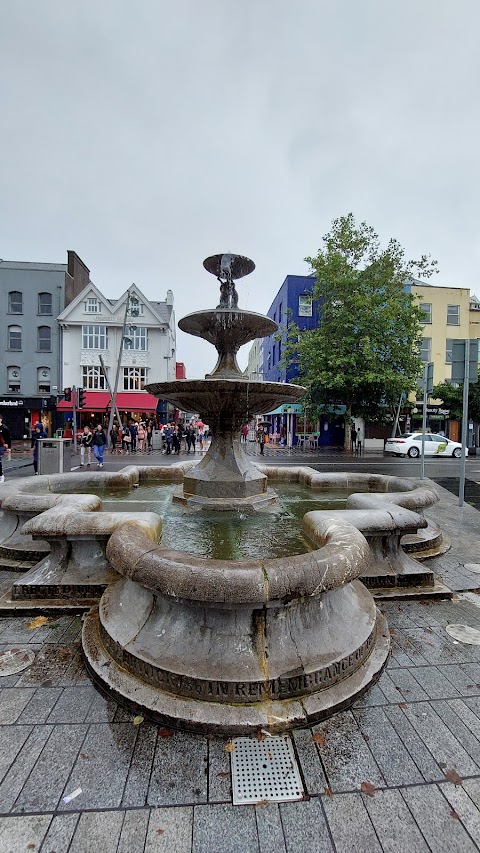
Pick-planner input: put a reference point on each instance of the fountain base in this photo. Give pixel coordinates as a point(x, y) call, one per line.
point(256, 503)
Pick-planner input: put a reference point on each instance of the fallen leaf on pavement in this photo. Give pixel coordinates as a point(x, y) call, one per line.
point(37, 622)
point(260, 735)
point(223, 773)
point(229, 747)
point(402, 705)
point(452, 776)
point(262, 803)
point(319, 738)
point(454, 814)
point(137, 720)
point(165, 732)
point(368, 788)
point(160, 831)
point(327, 791)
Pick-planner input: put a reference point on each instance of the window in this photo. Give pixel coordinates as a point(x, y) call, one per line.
point(280, 313)
point(426, 309)
point(45, 303)
point(13, 379)
point(93, 379)
point(14, 337)
point(279, 351)
point(91, 305)
point(15, 302)
point(43, 380)
point(94, 337)
point(44, 340)
point(134, 378)
point(305, 308)
point(426, 350)
point(137, 338)
point(453, 315)
point(448, 351)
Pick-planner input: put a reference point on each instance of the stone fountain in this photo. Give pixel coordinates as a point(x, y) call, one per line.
point(230, 646)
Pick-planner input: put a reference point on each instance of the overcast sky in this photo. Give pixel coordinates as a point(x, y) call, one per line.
point(149, 135)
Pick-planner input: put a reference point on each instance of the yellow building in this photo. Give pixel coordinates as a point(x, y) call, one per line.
point(447, 316)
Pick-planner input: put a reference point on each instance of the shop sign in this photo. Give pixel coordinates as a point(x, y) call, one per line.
point(435, 410)
point(15, 403)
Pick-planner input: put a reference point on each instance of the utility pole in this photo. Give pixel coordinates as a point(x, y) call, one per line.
point(109, 387)
point(74, 404)
point(119, 360)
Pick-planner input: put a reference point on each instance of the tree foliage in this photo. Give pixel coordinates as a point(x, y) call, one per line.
point(451, 396)
point(364, 351)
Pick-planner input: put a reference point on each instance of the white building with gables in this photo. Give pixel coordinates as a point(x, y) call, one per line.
point(96, 329)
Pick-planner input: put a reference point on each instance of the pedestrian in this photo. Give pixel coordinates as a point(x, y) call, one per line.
point(141, 435)
point(38, 433)
point(7, 438)
point(133, 436)
point(191, 439)
point(353, 437)
point(126, 439)
point(99, 444)
point(86, 447)
point(114, 438)
point(168, 435)
point(201, 437)
point(244, 433)
point(2, 451)
point(149, 436)
point(261, 439)
point(359, 442)
point(177, 439)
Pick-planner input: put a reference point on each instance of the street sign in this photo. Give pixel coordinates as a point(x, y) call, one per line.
point(458, 361)
point(428, 376)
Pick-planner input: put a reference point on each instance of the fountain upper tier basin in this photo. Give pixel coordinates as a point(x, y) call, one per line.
point(218, 324)
point(226, 401)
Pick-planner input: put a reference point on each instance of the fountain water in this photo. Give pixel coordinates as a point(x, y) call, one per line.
point(232, 645)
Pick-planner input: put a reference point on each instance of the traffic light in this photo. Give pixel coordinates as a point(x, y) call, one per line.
point(67, 394)
point(81, 398)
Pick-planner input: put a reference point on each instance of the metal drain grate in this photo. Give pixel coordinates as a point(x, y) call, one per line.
point(265, 770)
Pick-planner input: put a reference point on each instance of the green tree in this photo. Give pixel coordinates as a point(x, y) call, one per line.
point(451, 396)
point(364, 352)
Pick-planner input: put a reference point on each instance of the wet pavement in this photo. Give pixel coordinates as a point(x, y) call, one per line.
point(399, 771)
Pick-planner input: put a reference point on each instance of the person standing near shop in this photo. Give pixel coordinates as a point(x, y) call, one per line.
point(7, 438)
point(133, 436)
point(38, 433)
point(2, 451)
point(168, 434)
point(86, 445)
point(191, 439)
point(99, 444)
point(261, 439)
point(244, 433)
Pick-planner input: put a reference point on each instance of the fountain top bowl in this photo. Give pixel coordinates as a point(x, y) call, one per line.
point(228, 266)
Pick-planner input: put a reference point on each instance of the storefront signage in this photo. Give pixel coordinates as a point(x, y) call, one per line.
point(11, 403)
point(434, 410)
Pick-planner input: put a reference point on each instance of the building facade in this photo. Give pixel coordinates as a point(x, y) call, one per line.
point(31, 296)
point(100, 335)
point(293, 303)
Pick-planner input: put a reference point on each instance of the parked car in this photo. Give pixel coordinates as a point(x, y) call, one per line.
point(410, 444)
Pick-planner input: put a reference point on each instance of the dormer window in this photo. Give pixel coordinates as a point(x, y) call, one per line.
point(92, 305)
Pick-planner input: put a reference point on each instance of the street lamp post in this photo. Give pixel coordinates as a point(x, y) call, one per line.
point(132, 307)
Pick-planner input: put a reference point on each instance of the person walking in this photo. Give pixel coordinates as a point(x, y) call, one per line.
point(99, 444)
point(133, 436)
point(168, 434)
point(38, 433)
point(2, 451)
point(191, 439)
point(115, 437)
point(7, 438)
point(149, 436)
point(141, 435)
point(244, 433)
point(261, 439)
point(201, 437)
point(86, 445)
point(353, 437)
point(177, 439)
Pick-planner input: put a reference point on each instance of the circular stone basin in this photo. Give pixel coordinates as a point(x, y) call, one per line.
point(231, 535)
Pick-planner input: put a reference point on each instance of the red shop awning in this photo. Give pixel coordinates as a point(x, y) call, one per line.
point(97, 401)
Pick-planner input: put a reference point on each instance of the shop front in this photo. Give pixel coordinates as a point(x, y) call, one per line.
point(97, 408)
point(437, 420)
point(21, 414)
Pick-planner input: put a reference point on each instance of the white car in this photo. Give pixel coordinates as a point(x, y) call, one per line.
point(410, 444)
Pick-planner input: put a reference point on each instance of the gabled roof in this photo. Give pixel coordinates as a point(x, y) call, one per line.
point(89, 289)
point(160, 310)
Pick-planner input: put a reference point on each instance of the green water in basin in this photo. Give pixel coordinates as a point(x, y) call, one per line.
point(230, 535)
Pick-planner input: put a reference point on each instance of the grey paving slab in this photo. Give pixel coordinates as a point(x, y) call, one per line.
point(45, 784)
point(436, 649)
point(138, 779)
point(19, 772)
point(472, 787)
point(73, 705)
point(458, 675)
point(412, 647)
point(388, 688)
point(465, 808)
point(346, 757)
point(134, 831)
point(48, 668)
point(225, 829)
point(179, 774)
point(102, 710)
point(305, 827)
point(170, 831)
point(407, 685)
point(350, 824)
point(219, 773)
point(17, 833)
point(102, 766)
point(12, 739)
point(432, 814)
point(269, 829)
point(309, 756)
point(422, 756)
point(60, 833)
point(12, 703)
point(371, 698)
point(40, 705)
point(444, 747)
point(395, 763)
point(394, 824)
point(434, 683)
point(97, 831)
point(458, 725)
